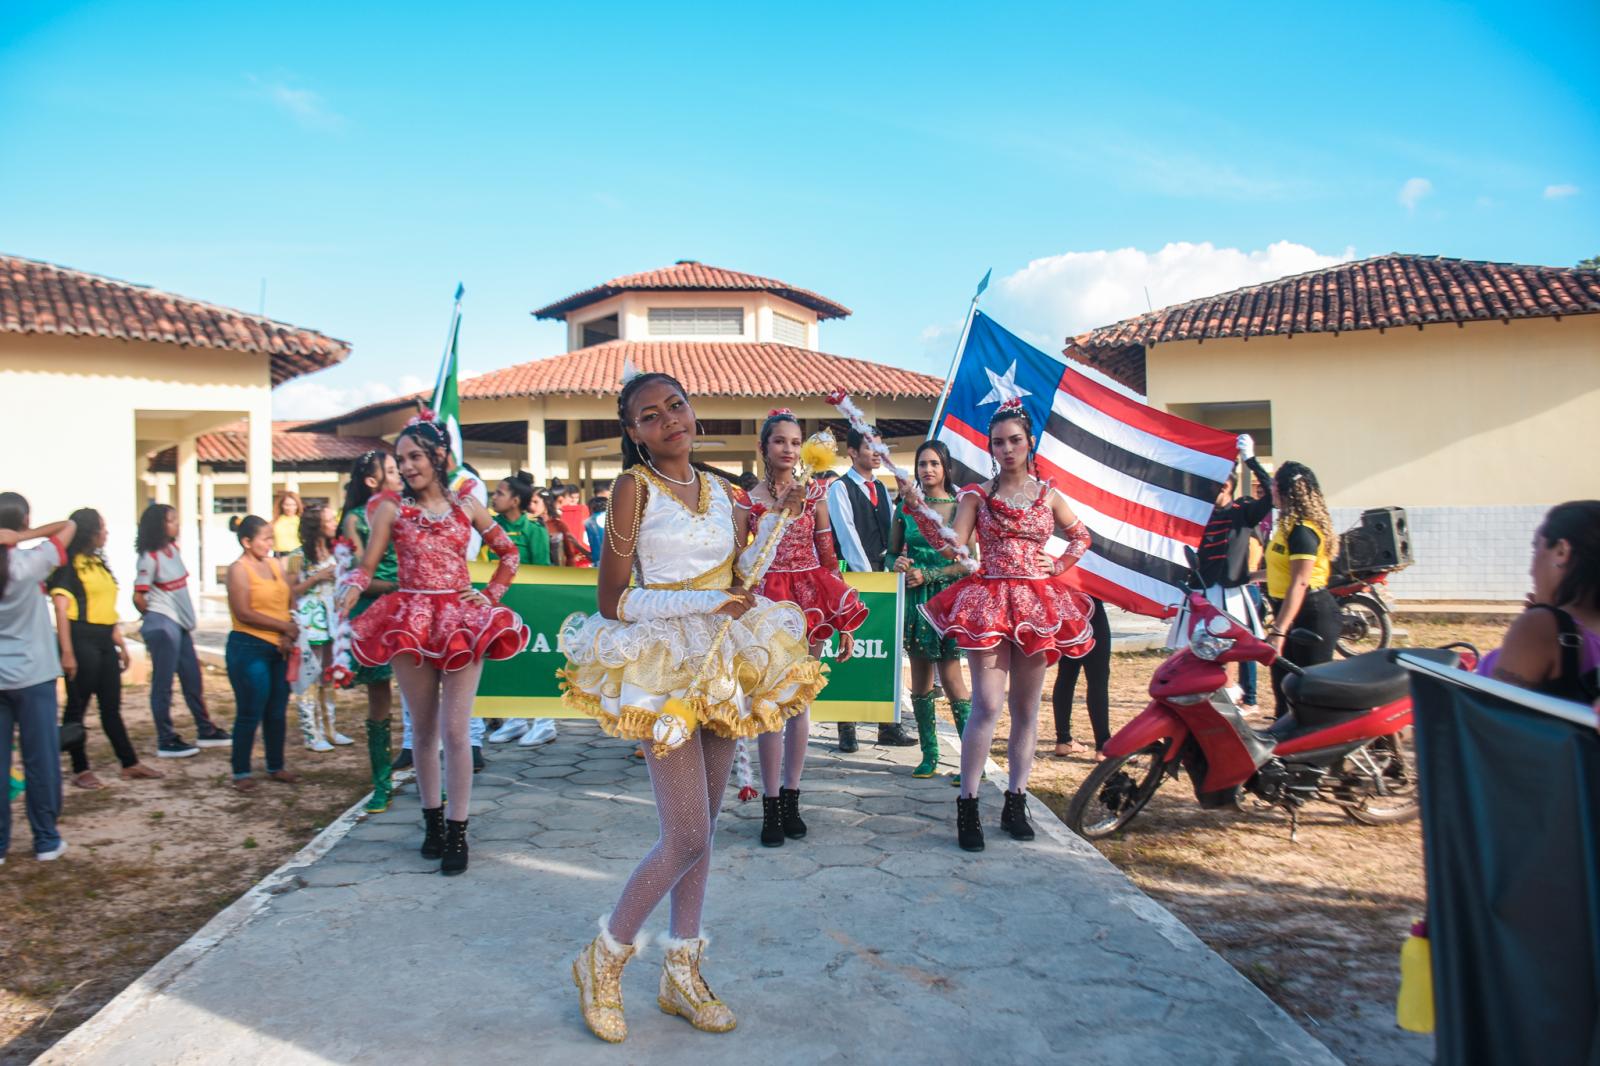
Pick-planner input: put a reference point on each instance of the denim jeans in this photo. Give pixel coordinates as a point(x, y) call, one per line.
point(172, 651)
point(1247, 670)
point(31, 712)
point(259, 674)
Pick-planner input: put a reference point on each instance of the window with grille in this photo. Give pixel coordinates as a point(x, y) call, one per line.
point(230, 505)
point(677, 321)
point(786, 330)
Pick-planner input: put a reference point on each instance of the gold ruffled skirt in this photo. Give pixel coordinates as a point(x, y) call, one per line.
point(739, 677)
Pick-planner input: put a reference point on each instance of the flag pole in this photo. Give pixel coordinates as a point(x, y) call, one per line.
point(449, 341)
point(961, 342)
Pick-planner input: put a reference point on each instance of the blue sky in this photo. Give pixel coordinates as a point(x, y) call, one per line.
point(362, 158)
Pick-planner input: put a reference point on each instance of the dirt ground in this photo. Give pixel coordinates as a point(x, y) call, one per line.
point(148, 863)
point(1316, 923)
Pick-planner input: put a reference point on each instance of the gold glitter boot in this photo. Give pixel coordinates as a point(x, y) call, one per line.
point(685, 993)
point(597, 971)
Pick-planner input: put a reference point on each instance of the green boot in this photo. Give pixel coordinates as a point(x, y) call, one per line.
point(927, 734)
point(959, 709)
point(378, 736)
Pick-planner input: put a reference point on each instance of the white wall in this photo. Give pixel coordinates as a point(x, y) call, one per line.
point(1463, 553)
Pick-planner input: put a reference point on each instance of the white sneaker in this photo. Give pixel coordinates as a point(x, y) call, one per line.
point(542, 731)
point(53, 854)
point(510, 729)
point(319, 744)
point(340, 739)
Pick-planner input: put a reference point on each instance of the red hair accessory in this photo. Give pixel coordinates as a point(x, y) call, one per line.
point(776, 411)
point(422, 415)
point(1013, 404)
point(837, 397)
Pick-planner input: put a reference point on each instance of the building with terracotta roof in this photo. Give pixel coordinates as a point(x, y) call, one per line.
point(740, 343)
point(313, 465)
point(104, 372)
point(1466, 392)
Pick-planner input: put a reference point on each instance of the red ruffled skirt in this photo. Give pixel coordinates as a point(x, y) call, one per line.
point(436, 630)
point(1040, 616)
point(830, 605)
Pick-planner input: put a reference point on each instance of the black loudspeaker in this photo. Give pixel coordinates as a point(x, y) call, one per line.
point(1381, 542)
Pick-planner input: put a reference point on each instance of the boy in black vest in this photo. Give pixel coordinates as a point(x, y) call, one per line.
point(858, 508)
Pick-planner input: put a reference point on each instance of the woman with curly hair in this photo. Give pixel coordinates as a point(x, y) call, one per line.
point(1299, 556)
point(93, 655)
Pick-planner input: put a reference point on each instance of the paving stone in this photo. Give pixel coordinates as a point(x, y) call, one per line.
point(872, 935)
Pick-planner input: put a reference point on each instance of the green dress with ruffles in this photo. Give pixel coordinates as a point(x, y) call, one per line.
point(388, 570)
point(921, 639)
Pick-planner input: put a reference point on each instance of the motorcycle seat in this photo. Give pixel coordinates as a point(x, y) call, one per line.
point(1361, 682)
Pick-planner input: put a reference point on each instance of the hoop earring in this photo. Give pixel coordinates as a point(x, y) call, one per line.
point(699, 428)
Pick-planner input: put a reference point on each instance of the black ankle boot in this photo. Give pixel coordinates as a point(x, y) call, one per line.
point(789, 799)
point(1014, 816)
point(847, 738)
point(433, 832)
point(455, 848)
point(969, 830)
point(771, 822)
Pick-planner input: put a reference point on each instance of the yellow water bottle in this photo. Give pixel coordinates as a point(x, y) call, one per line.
point(1414, 1009)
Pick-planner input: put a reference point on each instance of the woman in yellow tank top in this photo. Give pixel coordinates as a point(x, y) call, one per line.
point(1299, 557)
point(259, 596)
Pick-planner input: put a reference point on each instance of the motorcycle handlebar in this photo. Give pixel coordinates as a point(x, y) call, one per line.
point(1299, 636)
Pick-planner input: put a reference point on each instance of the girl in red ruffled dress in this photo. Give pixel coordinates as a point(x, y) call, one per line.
point(1014, 617)
point(805, 572)
point(435, 629)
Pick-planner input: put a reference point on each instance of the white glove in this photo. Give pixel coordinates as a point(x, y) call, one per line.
point(641, 604)
point(1247, 446)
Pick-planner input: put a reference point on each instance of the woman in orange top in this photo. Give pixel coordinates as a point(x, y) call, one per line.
point(258, 649)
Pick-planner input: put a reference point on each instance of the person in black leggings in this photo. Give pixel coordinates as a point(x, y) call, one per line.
point(1299, 558)
point(84, 596)
point(1096, 668)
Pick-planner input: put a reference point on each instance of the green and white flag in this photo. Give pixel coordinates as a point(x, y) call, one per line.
point(446, 398)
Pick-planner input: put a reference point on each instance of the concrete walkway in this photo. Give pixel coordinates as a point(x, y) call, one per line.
point(874, 937)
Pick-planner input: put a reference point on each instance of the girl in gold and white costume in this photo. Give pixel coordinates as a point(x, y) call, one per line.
point(681, 656)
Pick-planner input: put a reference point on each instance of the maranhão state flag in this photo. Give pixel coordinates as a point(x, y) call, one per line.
point(1144, 481)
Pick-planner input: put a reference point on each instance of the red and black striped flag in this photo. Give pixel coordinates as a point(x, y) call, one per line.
point(1144, 481)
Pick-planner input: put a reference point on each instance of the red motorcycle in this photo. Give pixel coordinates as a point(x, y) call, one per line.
point(1344, 742)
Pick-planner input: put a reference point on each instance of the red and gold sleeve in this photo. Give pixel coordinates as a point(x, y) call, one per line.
point(506, 555)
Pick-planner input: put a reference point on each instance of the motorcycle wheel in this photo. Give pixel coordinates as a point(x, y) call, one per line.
point(1396, 761)
point(1364, 625)
point(1116, 791)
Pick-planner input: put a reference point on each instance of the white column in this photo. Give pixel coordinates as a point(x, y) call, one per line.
point(209, 556)
point(538, 463)
point(258, 462)
point(163, 488)
point(573, 428)
point(187, 501)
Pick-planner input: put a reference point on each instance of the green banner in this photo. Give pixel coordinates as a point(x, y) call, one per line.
point(866, 688)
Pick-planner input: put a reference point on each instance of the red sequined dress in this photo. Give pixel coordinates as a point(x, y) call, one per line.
point(1010, 598)
point(800, 575)
point(425, 617)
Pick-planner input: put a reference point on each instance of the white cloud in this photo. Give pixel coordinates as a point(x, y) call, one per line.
point(1063, 295)
point(303, 105)
point(307, 398)
point(1414, 191)
point(1559, 192)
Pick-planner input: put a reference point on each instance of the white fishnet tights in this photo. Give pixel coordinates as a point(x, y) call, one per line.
point(989, 672)
point(689, 784)
point(427, 690)
point(783, 754)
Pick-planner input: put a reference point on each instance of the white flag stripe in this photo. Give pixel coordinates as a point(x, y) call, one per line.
point(1104, 527)
point(1135, 582)
point(1117, 483)
point(964, 451)
point(1133, 439)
